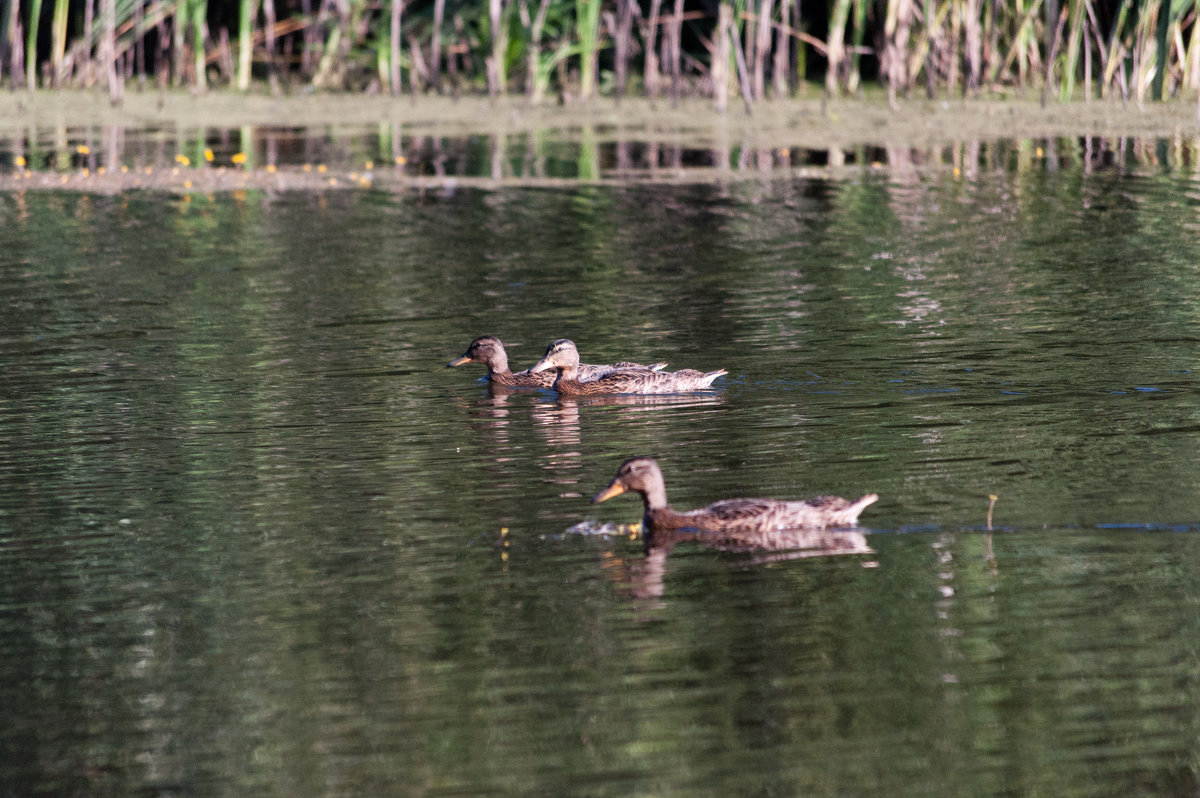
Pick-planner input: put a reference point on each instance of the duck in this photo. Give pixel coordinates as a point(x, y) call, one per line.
point(562, 356)
point(488, 349)
point(735, 521)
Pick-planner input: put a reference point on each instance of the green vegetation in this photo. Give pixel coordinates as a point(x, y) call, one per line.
point(569, 48)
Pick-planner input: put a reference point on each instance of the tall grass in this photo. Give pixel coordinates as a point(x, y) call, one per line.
point(31, 37)
point(1064, 48)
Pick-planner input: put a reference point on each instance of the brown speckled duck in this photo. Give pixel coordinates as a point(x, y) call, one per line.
point(488, 350)
point(747, 520)
point(563, 357)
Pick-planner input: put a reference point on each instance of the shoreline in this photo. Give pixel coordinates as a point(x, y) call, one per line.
point(853, 121)
point(811, 124)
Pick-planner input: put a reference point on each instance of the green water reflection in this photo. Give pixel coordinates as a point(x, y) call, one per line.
point(255, 539)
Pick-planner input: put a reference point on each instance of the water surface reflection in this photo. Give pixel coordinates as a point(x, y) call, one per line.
point(396, 156)
point(645, 579)
point(255, 538)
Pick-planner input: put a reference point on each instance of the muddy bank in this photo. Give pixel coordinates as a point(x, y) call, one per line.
point(804, 122)
point(812, 124)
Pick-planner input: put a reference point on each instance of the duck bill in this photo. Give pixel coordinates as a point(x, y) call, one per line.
point(541, 365)
point(614, 489)
point(458, 361)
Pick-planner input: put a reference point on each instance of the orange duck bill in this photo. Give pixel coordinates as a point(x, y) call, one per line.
point(614, 489)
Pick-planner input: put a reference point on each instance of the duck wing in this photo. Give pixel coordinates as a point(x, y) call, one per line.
point(701, 379)
point(738, 513)
point(527, 379)
point(657, 381)
point(768, 515)
point(587, 372)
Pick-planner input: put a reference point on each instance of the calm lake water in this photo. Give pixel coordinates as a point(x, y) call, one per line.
point(255, 539)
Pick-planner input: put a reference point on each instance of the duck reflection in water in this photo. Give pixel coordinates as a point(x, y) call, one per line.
point(788, 529)
point(645, 579)
point(559, 425)
point(562, 456)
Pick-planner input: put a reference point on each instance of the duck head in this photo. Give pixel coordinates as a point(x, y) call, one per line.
point(486, 349)
point(640, 475)
point(561, 355)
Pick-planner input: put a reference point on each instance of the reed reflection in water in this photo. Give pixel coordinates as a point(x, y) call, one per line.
point(110, 158)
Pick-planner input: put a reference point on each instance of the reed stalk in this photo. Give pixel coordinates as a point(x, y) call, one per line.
point(324, 76)
point(12, 43)
point(897, 23)
point(310, 51)
point(923, 52)
point(418, 70)
point(1092, 47)
point(800, 61)
point(533, 46)
point(496, 76)
point(268, 7)
point(738, 35)
point(973, 45)
point(587, 31)
point(1077, 20)
point(991, 41)
point(383, 66)
point(31, 36)
point(719, 72)
point(247, 10)
point(858, 27)
point(650, 67)
point(179, 23)
point(1163, 24)
point(1052, 54)
point(1021, 42)
point(762, 44)
point(394, 78)
point(116, 87)
point(1191, 58)
point(955, 21)
point(459, 44)
point(1145, 49)
point(783, 42)
point(1023, 48)
point(739, 58)
point(334, 47)
point(435, 54)
point(1087, 65)
point(1113, 59)
point(750, 37)
point(623, 44)
point(139, 42)
point(1050, 15)
point(836, 45)
point(676, 43)
point(58, 43)
point(199, 9)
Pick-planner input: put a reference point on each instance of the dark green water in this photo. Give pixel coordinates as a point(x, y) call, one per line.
point(256, 540)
